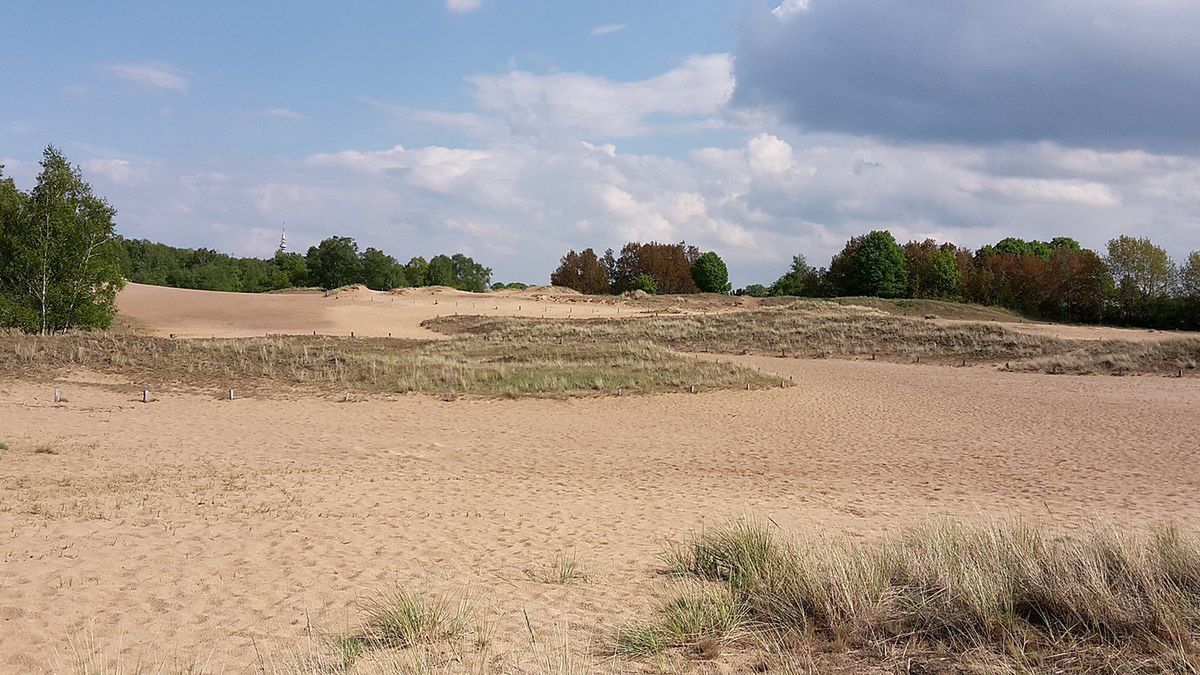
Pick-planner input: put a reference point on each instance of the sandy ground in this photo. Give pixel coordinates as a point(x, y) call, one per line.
point(194, 530)
point(187, 313)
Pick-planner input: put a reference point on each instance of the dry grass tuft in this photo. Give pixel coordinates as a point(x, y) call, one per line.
point(563, 568)
point(700, 618)
point(1010, 594)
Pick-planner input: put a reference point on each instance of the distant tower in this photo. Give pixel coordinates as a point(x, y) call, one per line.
point(282, 240)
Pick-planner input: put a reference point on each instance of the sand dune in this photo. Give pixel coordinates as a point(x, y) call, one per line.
point(188, 313)
point(194, 530)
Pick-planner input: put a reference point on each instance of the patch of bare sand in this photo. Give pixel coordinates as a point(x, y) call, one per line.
point(162, 311)
point(209, 529)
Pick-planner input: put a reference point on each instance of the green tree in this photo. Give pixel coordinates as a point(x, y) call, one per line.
point(801, 280)
point(645, 283)
point(381, 272)
point(293, 266)
point(440, 272)
point(468, 274)
point(943, 275)
point(334, 263)
point(873, 265)
point(1189, 276)
point(756, 291)
point(415, 270)
point(1144, 275)
point(710, 274)
point(59, 256)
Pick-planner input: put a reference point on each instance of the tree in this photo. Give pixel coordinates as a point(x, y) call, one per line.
point(1189, 276)
point(334, 263)
point(942, 277)
point(381, 272)
point(801, 280)
point(583, 271)
point(871, 265)
point(710, 274)
point(440, 272)
point(468, 274)
point(645, 283)
point(415, 270)
point(670, 265)
point(59, 256)
point(1144, 274)
point(294, 267)
point(756, 291)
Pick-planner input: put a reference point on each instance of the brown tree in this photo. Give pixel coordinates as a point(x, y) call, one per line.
point(670, 265)
point(584, 272)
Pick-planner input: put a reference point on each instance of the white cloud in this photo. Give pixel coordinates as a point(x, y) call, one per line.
point(159, 76)
point(579, 103)
point(547, 175)
point(284, 113)
point(115, 171)
point(463, 6)
point(608, 29)
point(789, 8)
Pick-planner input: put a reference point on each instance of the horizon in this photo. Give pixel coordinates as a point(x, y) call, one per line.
point(515, 134)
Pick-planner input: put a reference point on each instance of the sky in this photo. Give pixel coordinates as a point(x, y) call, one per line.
point(514, 131)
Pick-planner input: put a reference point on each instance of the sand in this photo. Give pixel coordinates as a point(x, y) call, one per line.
point(195, 530)
point(185, 313)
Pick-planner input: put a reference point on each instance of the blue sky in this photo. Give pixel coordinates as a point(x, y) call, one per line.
point(515, 130)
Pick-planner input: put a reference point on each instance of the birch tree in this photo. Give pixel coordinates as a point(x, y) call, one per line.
point(58, 253)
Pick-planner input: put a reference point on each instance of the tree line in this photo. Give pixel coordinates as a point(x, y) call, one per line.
point(1135, 282)
point(333, 263)
point(648, 267)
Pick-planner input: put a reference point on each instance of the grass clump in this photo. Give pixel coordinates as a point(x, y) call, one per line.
point(1108, 601)
point(563, 568)
point(700, 618)
point(401, 618)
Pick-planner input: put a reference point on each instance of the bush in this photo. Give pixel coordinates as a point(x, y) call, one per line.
point(710, 274)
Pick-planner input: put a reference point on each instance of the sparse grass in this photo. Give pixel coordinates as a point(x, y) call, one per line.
point(820, 329)
point(1011, 594)
point(1156, 356)
point(802, 328)
point(45, 450)
point(3, 446)
point(470, 365)
point(563, 568)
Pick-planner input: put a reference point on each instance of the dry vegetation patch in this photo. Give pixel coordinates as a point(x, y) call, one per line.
point(469, 365)
point(820, 329)
point(1009, 595)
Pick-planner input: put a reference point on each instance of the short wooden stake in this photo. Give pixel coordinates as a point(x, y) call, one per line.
point(351, 333)
point(58, 395)
point(145, 396)
point(1181, 372)
point(782, 383)
point(747, 386)
point(230, 394)
point(693, 388)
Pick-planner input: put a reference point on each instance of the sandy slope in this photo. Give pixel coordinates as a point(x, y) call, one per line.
point(194, 527)
point(187, 313)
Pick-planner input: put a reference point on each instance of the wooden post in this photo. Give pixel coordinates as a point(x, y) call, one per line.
point(58, 395)
point(747, 386)
point(145, 396)
point(351, 333)
point(782, 384)
point(693, 388)
point(231, 394)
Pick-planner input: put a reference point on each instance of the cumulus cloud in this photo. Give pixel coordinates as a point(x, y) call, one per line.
point(608, 29)
point(157, 76)
point(463, 6)
point(550, 171)
point(579, 103)
point(1095, 73)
